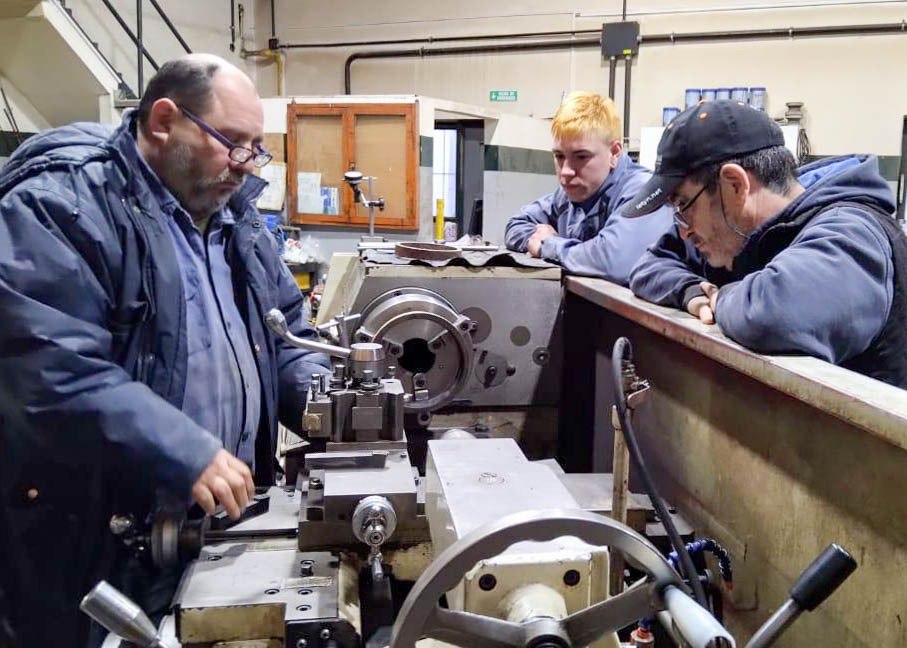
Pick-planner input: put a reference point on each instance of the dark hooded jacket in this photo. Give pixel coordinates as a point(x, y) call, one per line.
point(93, 357)
point(826, 277)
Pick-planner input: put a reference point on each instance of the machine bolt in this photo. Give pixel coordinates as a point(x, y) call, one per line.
point(436, 344)
point(306, 568)
point(391, 371)
point(315, 483)
point(325, 633)
point(571, 577)
point(120, 524)
point(511, 370)
point(487, 582)
point(302, 643)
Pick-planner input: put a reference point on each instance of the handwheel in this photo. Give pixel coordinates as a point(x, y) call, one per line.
point(422, 616)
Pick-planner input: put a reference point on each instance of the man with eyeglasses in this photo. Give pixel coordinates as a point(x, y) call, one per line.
point(785, 260)
point(580, 226)
point(136, 368)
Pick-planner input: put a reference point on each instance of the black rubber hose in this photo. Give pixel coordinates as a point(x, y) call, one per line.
point(623, 351)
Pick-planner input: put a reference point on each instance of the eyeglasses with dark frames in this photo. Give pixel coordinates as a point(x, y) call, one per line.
point(239, 154)
point(680, 209)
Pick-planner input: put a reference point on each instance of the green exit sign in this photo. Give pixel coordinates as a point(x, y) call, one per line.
point(503, 95)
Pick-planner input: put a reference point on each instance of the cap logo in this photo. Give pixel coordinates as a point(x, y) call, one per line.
point(703, 115)
point(645, 201)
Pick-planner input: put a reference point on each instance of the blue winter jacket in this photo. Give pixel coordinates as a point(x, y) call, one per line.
point(93, 357)
point(828, 294)
point(598, 241)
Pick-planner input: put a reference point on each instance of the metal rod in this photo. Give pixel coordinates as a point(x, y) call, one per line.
point(628, 65)
point(140, 90)
point(135, 41)
point(777, 624)
point(273, 21)
point(612, 76)
point(232, 25)
point(620, 489)
point(170, 25)
point(784, 32)
point(654, 39)
point(445, 51)
point(440, 39)
point(623, 14)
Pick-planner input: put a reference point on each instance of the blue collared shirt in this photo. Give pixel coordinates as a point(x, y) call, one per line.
point(223, 388)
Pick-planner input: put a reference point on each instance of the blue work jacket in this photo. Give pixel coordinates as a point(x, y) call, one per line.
point(93, 357)
point(593, 239)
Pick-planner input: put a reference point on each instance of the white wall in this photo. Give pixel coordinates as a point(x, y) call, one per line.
point(851, 86)
point(27, 116)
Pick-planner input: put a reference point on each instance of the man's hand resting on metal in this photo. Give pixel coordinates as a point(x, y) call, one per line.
point(534, 246)
point(704, 306)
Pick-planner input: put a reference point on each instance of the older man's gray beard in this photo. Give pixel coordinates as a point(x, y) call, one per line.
point(195, 194)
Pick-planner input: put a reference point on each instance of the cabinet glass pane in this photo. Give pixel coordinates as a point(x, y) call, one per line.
point(319, 164)
point(380, 151)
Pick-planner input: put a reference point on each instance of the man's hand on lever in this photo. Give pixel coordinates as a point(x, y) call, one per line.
point(227, 481)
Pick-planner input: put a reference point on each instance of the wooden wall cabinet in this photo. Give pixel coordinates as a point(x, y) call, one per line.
point(326, 140)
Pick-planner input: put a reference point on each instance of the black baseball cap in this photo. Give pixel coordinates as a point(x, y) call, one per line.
point(707, 133)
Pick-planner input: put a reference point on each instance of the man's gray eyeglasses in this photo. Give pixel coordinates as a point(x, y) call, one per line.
point(680, 209)
point(239, 154)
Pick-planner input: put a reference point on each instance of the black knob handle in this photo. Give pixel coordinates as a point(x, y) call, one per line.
point(822, 577)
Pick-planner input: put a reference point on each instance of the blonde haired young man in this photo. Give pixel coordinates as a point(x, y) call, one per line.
point(581, 225)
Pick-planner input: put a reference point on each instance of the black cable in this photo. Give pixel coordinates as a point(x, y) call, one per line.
point(623, 353)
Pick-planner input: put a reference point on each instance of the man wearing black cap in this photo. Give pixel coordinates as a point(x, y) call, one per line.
point(804, 261)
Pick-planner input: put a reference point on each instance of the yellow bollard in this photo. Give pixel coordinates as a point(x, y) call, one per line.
point(439, 220)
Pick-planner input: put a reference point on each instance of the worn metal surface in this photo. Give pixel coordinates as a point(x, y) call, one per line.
point(332, 494)
point(527, 337)
point(774, 457)
point(426, 338)
point(426, 251)
point(421, 614)
point(496, 473)
point(263, 590)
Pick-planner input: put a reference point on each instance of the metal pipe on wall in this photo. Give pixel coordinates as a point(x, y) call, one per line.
point(232, 25)
point(267, 53)
point(471, 49)
point(440, 39)
point(653, 39)
point(140, 90)
point(628, 64)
